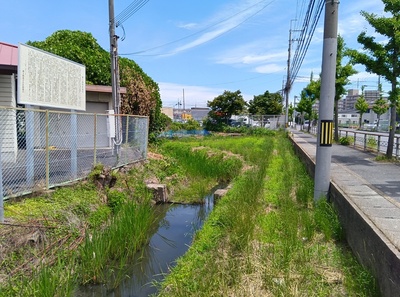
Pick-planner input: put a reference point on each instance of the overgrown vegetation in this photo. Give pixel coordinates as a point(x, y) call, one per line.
point(90, 232)
point(265, 237)
point(346, 140)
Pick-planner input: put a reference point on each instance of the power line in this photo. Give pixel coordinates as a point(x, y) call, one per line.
point(205, 29)
point(129, 11)
point(310, 22)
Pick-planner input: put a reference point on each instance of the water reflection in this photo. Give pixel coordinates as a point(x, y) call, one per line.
point(173, 235)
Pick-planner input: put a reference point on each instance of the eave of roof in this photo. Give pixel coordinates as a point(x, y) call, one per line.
point(8, 54)
point(103, 89)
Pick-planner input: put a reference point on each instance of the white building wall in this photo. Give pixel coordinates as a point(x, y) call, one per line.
point(8, 126)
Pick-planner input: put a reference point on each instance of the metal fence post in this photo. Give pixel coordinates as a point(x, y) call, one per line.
point(74, 145)
point(379, 144)
point(127, 129)
point(30, 133)
point(365, 142)
point(95, 140)
point(1, 188)
point(397, 147)
point(47, 151)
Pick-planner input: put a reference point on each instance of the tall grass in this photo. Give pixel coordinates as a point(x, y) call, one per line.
point(266, 237)
point(57, 280)
point(203, 162)
point(113, 247)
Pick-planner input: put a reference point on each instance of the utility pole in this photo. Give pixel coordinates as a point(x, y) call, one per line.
point(325, 119)
point(183, 97)
point(114, 71)
point(288, 74)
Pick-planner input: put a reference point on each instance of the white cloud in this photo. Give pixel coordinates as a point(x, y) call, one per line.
point(270, 68)
point(188, 26)
point(227, 19)
point(242, 56)
point(195, 96)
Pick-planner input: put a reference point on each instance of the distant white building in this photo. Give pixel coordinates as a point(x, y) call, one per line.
point(349, 118)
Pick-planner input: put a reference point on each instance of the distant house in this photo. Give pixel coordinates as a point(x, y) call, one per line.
point(348, 118)
point(200, 113)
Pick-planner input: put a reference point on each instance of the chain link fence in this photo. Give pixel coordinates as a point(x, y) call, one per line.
point(272, 122)
point(40, 149)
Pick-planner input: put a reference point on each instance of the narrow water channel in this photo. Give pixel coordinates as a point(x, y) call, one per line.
point(176, 225)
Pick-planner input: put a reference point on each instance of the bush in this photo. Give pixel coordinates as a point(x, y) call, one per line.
point(115, 199)
point(346, 140)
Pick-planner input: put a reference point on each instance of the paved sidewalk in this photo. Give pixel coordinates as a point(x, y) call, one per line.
point(373, 187)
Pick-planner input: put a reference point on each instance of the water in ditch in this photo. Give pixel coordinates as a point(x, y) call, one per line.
point(176, 225)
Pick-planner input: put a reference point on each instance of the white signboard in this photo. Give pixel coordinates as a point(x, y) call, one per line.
point(48, 80)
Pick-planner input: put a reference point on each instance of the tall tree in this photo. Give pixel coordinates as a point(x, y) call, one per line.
point(343, 72)
point(143, 96)
point(266, 104)
point(382, 58)
point(309, 95)
point(80, 47)
point(305, 106)
point(362, 106)
point(226, 105)
point(380, 105)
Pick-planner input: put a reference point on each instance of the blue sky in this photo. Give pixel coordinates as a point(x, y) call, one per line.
point(197, 49)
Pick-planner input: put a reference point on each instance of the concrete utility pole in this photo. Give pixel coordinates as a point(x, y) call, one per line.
point(325, 121)
point(114, 70)
point(288, 86)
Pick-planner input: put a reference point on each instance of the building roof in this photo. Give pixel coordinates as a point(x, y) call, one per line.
point(8, 58)
point(103, 89)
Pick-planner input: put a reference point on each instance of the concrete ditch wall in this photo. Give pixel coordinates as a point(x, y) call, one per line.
point(371, 247)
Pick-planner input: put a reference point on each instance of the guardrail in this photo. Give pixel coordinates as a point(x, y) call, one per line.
point(371, 141)
point(366, 140)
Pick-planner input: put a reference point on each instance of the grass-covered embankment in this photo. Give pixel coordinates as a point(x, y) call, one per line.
point(89, 233)
point(266, 237)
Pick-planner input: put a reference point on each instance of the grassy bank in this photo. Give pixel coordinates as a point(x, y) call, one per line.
point(89, 233)
point(266, 237)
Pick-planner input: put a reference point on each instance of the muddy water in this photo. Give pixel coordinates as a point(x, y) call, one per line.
point(173, 236)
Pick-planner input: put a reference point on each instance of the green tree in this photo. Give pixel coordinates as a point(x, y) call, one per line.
point(226, 105)
point(305, 106)
point(80, 47)
point(266, 104)
point(343, 72)
point(382, 58)
point(362, 106)
point(143, 96)
point(380, 105)
point(291, 112)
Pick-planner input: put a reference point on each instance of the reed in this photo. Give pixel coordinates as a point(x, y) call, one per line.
point(108, 250)
point(266, 237)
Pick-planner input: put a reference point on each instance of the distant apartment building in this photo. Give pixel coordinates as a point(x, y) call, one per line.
point(350, 100)
point(347, 106)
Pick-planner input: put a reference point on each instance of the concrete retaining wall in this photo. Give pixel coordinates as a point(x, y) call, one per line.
point(371, 247)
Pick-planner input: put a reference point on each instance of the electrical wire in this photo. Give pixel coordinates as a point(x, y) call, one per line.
point(138, 53)
point(129, 11)
point(307, 30)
